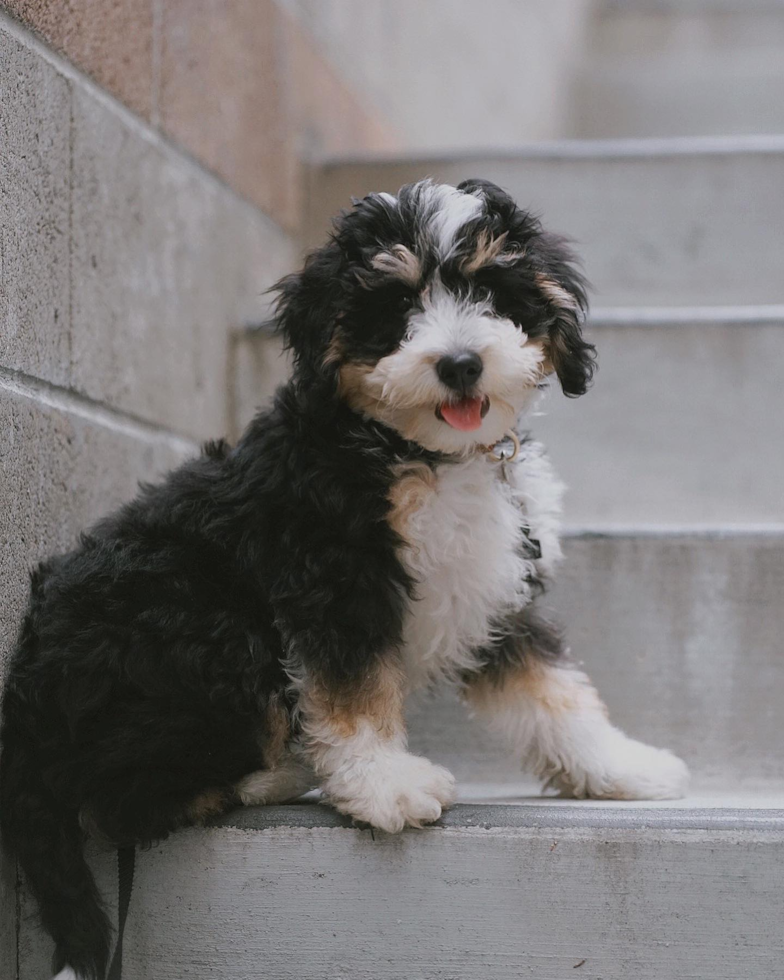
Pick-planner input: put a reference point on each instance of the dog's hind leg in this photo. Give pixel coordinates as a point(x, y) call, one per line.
point(554, 720)
point(286, 781)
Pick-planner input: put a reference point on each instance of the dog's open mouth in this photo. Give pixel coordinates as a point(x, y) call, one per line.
point(465, 415)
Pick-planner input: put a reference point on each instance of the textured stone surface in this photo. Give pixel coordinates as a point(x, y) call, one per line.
point(441, 74)
point(674, 426)
point(260, 365)
point(34, 214)
point(241, 86)
point(652, 221)
point(247, 90)
point(125, 269)
point(681, 634)
point(222, 94)
point(682, 69)
point(111, 41)
point(167, 265)
point(61, 472)
point(459, 902)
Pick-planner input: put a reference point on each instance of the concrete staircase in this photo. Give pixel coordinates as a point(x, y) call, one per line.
point(672, 591)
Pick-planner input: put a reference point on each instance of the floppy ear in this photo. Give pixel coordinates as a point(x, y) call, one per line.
point(499, 205)
point(564, 288)
point(307, 306)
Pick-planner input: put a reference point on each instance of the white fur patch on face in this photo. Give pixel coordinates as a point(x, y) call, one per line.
point(453, 210)
point(67, 974)
point(404, 388)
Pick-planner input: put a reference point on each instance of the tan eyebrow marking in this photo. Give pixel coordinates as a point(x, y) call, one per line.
point(487, 251)
point(400, 262)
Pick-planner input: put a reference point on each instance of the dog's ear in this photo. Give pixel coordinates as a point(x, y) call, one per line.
point(499, 206)
point(558, 279)
point(307, 306)
point(565, 290)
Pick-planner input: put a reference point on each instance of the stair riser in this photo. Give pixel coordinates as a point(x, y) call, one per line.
point(743, 97)
point(682, 69)
point(683, 425)
point(653, 227)
point(457, 903)
point(683, 637)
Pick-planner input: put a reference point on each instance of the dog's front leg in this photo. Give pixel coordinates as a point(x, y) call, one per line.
point(356, 740)
point(551, 715)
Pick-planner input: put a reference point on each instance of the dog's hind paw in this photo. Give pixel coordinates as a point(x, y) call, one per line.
point(631, 771)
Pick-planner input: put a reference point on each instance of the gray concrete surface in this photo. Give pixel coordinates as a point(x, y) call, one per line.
point(127, 272)
point(443, 86)
point(34, 241)
point(129, 268)
point(651, 219)
point(488, 895)
point(682, 634)
point(681, 69)
point(260, 365)
point(680, 424)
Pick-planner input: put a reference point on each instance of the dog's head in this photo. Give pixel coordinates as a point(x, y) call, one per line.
point(438, 312)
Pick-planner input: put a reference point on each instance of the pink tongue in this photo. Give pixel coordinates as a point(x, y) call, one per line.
point(465, 415)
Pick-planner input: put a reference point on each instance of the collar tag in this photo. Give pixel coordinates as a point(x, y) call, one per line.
point(506, 450)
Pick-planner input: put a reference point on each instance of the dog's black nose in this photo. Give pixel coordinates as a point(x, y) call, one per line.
point(460, 371)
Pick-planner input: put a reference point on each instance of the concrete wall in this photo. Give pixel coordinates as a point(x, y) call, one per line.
point(236, 84)
point(127, 272)
point(454, 73)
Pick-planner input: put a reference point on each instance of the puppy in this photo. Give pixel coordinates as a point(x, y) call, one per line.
point(249, 628)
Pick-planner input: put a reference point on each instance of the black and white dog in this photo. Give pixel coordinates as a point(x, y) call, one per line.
point(249, 628)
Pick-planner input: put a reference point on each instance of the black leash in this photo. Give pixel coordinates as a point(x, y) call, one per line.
point(126, 861)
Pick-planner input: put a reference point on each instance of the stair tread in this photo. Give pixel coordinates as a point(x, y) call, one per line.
point(658, 316)
point(612, 147)
point(759, 807)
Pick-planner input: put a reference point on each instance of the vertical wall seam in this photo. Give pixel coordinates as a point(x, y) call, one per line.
point(157, 56)
point(70, 233)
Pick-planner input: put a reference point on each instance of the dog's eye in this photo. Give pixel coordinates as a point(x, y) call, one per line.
point(404, 303)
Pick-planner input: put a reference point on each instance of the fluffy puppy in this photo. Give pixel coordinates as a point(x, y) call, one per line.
point(249, 628)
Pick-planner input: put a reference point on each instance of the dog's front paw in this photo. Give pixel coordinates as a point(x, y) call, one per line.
point(392, 791)
point(627, 770)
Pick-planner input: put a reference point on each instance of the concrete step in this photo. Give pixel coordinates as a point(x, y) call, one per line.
point(684, 422)
point(688, 69)
point(658, 222)
point(682, 633)
point(499, 892)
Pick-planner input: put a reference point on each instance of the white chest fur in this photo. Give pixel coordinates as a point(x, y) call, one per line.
point(465, 546)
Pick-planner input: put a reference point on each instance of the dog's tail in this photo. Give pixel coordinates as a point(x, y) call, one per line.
point(47, 841)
